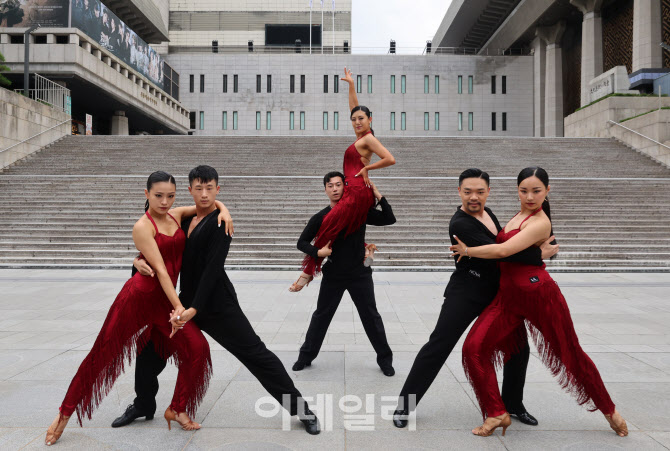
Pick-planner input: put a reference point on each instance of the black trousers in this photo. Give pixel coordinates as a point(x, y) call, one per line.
point(232, 330)
point(362, 291)
point(456, 315)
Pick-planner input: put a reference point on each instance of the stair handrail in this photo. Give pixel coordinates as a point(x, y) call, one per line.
point(34, 136)
point(639, 134)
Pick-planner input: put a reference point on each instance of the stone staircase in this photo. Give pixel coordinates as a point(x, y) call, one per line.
point(73, 205)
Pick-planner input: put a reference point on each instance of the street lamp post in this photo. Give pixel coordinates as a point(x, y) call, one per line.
point(26, 59)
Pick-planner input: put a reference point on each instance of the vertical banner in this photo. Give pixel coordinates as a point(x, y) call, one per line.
point(89, 124)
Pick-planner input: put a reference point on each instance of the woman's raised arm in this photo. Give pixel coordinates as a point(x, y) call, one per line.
point(353, 99)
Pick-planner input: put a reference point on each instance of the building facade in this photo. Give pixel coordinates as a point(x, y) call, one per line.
point(299, 94)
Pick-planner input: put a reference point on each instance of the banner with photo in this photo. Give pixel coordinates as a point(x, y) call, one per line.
point(101, 24)
point(23, 13)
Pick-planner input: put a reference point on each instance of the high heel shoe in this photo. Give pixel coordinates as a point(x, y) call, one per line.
point(621, 428)
point(369, 255)
point(171, 415)
point(297, 286)
point(53, 433)
point(485, 430)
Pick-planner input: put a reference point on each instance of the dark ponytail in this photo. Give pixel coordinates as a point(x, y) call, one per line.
point(541, 174)
point(157, 177)
point(365, 110)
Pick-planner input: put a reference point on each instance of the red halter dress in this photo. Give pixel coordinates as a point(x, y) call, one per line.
point(527, 293)
point(140, 312)
point(349, 214)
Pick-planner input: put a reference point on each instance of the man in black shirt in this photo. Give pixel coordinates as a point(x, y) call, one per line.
point(209, 298)
point(471, 288)
point(345, 270)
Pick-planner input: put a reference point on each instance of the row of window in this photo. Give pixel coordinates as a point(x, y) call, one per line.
point(359, 84)
point(336, 120)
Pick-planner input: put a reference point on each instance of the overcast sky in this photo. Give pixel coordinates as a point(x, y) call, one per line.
point(376, 22)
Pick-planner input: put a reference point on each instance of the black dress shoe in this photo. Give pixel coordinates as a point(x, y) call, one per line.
point(130, 415)
point(311, 422)
point(388, 371)
point(400, 418)
point(525, 418)
point(299, 366)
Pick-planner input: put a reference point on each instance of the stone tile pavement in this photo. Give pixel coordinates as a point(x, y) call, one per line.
point(49, 319)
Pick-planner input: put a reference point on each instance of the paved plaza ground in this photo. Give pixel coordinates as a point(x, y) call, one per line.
point(50, 318)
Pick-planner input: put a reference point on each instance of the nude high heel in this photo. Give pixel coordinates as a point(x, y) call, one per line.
point(297, 286)
point(53, 433)
point(485, 430)
point(171, 415)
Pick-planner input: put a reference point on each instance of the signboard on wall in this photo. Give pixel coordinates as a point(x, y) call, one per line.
point(23, 13)
point(100, 23)
point(89, 124)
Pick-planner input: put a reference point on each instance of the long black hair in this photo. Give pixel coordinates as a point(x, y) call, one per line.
point(157, 177)
point(536, 171)
point(365, 110)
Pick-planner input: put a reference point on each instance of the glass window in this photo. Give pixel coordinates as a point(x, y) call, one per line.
point(470, 84)
point(336, 120)
point(224, 122)
point(258, 120)
point(234, 120)
point(291, 120)
point(392, 120)
point(403, 121)
point(302, 84)
point(493, 121)
point(437, 121)
point(426, 121)
point(359, 83)
point(292, 84)
point(235, 84)
point(225, 83)
point(336, 84)
point(493, 84)
point(437, 84)
point(258, 83)
point(403, 84)
point(369, 84)
point(471, 121)
point(191, 83)
point(460, 121)
point(392, 84)
point(504, 122)
point(325, 84)
point(202, 120)
point(268, 120)
point(503, 87)
point(302, 120)
point(325, 120)
point(191, 117)
point(202, 82)
point(269, 83)
point(426, 84)
point(460, 84)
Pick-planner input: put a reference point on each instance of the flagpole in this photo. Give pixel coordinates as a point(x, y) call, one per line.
point(333, 27)
point(310, 27)
point(322, 27)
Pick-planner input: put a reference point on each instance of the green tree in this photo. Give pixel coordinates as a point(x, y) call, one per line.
point(3, 80)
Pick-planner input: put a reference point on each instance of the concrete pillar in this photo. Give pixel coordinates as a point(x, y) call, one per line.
point(86, 46)
point(97, 53)
point(539, 62)
point(74, 38)
point(124, 72)
point(51, 38)
point(133, 77)
point(4, 38)
point(107, 60)
point(647, 53)
point(592, 44)
point(119, 123)
point(553, 84)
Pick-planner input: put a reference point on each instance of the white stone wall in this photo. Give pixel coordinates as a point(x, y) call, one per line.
point(652, 125)
point(517, 103)
point(22, 118)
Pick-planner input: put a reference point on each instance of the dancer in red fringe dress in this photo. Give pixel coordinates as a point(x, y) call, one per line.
point(142, 311)
point(351, 211)
point(528, 293)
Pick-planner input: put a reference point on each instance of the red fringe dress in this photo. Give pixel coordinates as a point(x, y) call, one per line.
point(528, 293)
point(349, 214)
point(141, 312)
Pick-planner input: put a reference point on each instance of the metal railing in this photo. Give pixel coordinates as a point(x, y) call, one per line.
point(639, 134)
point(35, 136)
point(50, 93)
point(340, 50)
